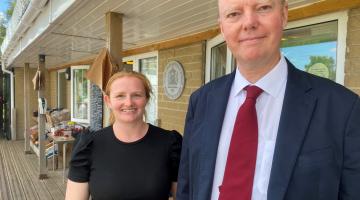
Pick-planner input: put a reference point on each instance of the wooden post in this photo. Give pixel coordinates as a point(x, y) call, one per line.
point(41, 121)
point(26, 108)
point(114, 37)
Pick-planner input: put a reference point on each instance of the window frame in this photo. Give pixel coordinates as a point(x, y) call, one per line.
point(209, 45)
point(342, 18)
point(136, 67)
point(83, 121)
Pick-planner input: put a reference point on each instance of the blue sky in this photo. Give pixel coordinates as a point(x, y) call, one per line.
point(300, 55)
point(3, 6)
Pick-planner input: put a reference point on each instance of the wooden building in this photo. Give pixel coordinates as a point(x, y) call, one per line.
point(64, 37)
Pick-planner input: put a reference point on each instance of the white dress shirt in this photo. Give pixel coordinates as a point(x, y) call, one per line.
point(268, 109)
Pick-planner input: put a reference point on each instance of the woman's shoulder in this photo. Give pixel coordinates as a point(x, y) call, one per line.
point(169, 135)
point(87, 137)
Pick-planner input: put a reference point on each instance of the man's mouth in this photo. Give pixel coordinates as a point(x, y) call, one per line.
point(251, 39)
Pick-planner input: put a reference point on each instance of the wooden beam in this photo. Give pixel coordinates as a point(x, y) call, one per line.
point(114, 37)
point(41, 121)
point(85, 61)
point(322, 7)
point(174, 42)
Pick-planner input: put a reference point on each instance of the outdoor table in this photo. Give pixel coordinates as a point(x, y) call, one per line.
point(61, 140)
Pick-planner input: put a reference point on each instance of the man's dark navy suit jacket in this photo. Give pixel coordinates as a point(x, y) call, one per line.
point(317, 151)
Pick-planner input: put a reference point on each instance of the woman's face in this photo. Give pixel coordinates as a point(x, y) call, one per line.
point(127, 99)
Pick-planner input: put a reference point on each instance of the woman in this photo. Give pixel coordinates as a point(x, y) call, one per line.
point(129, 159)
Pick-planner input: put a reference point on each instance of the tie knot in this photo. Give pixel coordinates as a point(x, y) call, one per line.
point(252, 92)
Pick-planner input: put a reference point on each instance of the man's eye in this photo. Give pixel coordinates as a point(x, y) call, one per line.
point(232, 14)
point(264, 8)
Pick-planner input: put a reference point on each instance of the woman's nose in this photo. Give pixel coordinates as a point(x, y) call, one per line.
point(128, 100)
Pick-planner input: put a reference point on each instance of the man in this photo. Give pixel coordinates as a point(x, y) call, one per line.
point(307, 128)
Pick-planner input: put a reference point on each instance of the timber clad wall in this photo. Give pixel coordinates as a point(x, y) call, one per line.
point(53, 91)
point(19, 100)
point(172, 113)
point(352, 64)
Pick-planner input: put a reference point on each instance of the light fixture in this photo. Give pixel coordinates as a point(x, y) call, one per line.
point(68, 73)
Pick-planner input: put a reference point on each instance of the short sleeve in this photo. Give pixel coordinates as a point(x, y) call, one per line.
point(79, 169)
point(175, 151)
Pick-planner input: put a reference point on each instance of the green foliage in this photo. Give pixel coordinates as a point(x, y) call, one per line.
point(2, 31)
point(4, 21)
point(10, 10)
point(326, 60)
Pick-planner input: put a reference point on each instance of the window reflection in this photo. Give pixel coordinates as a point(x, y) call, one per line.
point(313, 48)
point(80, 101)
point(218, 61)
point(148, 67)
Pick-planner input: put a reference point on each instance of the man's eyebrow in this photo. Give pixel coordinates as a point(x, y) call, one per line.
point(232, 9)
point(265, 1)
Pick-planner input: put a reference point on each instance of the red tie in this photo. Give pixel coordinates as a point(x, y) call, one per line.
point(240, 165)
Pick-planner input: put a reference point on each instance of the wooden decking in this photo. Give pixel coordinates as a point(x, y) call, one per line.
point(19, 178)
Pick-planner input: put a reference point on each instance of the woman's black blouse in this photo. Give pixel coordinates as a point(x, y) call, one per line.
point(141, 170)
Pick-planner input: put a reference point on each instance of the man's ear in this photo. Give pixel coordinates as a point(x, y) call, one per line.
point(285, 13)
point(221, 29)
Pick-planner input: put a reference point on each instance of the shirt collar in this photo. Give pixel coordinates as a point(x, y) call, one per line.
point(271, 83)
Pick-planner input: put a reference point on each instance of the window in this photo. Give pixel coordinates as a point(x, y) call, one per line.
point(317, 45)
point(61, 89)
point(219, 60)
point(147, 64)
point(80, 95)
point(148, 67)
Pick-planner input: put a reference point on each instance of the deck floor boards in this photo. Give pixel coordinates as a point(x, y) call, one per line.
point(19, 178)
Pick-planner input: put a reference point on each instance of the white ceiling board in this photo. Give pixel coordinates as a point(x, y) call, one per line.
point(145, 22)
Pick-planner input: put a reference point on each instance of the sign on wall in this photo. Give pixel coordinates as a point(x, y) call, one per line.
point(174, 80)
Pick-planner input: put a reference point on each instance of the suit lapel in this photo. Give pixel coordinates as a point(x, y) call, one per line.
point(216, 103)
point(296, 114)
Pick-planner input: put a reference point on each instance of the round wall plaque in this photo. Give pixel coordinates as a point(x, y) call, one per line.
point(174, 80)
point(319, 69)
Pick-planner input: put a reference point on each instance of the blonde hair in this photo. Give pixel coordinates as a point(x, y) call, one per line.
point(145, 81)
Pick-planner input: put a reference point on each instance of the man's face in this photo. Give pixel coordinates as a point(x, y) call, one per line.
point(253, 29)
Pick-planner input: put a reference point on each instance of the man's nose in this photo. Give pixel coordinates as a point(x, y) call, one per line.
point(250, 20)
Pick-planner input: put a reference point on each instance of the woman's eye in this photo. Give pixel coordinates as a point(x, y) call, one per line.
point(138, 95)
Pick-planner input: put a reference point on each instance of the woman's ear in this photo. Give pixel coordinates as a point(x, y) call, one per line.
point(107, 101)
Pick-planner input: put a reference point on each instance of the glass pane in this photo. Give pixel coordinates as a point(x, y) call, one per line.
point(313, 48)
point(218, 61)
point(148, 67)
point(61, 90)
point(81, 94)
